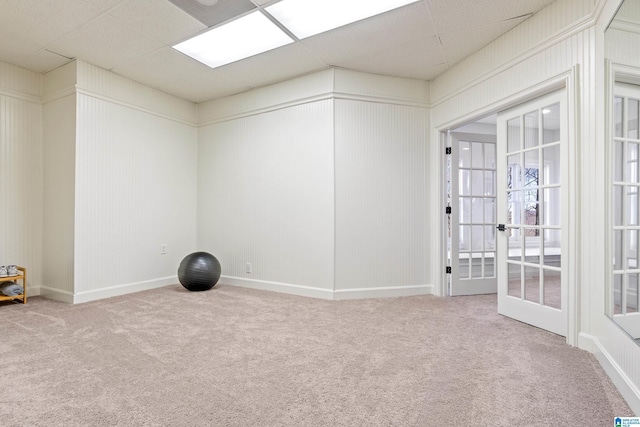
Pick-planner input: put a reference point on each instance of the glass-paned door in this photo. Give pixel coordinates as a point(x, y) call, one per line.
point(624, 302)
point(531, 146)
point(473, 214)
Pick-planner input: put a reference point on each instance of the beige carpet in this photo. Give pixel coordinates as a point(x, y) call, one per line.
point(240, 357)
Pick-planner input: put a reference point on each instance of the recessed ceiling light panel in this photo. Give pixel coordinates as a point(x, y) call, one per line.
point(306, 18)
point(247, 36)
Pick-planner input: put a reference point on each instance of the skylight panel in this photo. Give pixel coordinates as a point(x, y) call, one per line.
point(244, 37)
point(305, 18)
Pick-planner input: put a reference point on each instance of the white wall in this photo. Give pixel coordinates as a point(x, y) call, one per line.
point(21, 172)
point(135, 185)
point(266, 191)
point(380, 198)
point(319, 184)
point(266, 197)
point(59, 167)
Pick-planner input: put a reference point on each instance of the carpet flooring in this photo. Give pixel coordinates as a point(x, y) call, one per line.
point(240, 357)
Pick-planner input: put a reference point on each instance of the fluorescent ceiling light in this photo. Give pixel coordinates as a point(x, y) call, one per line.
point(306, 18)
point(247, 36)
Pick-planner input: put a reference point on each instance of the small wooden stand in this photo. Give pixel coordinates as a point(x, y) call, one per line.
point(22, 275)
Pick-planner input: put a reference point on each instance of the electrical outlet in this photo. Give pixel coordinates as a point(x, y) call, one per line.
point(249, 268)
point(163, 249)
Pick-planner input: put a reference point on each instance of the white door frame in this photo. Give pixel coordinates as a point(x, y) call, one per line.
point(568, 80)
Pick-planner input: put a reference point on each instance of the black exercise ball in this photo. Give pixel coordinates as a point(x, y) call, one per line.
point(199, 271)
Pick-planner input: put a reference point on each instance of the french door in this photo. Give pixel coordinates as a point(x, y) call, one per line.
point(532, 212)
point(472, 197)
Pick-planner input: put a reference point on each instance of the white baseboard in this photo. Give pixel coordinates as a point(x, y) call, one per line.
point(385, 292)
point(329, 294)
point(56, 294)
point(118, 290)
point(622, 382)
point(286, 288)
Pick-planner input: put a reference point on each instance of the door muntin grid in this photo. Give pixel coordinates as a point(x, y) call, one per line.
point(476, 209)
point(625, 231)
point(533, 195)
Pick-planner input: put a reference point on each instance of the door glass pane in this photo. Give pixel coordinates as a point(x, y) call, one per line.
point(618, 246)
point(617, 293)
point(465, 182)
point(618, 161)
point(552, 294)
point(477, 211)
point(551, 248)
point(476, 266)
point(489, 238)
point(617, 116)
point(551, 202)
point(463, 265)
point(490, 210)
point(532, 245)
point(489, 264)
point(477, 182)
point(489, 183)
point(532, 284)
point(515, 277)
point(632, 121)
point(477, 238)
point(632, 162)
point(551, 165)
point(617, 205)
point(532, 166)
point(632, 205)
point(513, 207)
point(551, 124)
point(513, 135)
point(489, 156)
point(514, 178)
point(465, 210)
point(632, 249)
point(531, 207)
point(477, 155)
point(464, 156)
point(531, 129)
point(464, 243)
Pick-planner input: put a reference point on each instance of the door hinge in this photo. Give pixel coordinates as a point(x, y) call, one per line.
point(448, 269)
point(447, 210)
point(447, 150)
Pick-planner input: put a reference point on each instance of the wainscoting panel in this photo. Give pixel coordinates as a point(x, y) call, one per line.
point(380, 195)
point(135, 191)
point(59, 125)
point(266, 201)
point(21, 184)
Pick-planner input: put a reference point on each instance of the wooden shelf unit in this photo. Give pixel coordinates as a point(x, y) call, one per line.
point(22, 275)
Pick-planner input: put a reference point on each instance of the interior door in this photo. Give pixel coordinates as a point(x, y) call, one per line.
point(473, 214)
point(532, 173)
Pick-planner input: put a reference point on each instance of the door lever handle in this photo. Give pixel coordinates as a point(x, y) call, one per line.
point(501, 227)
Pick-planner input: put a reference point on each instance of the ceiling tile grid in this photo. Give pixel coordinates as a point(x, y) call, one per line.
point(134, 38)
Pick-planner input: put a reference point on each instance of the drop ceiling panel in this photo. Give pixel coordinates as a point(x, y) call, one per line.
point(107, 43)
point(420, 59)
point(160, 20)
point(373, 35)
point(452, 16)
point(42, 22)
point(220, 12)
point(162, 68)
point(260, 70)
point(459, 45)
